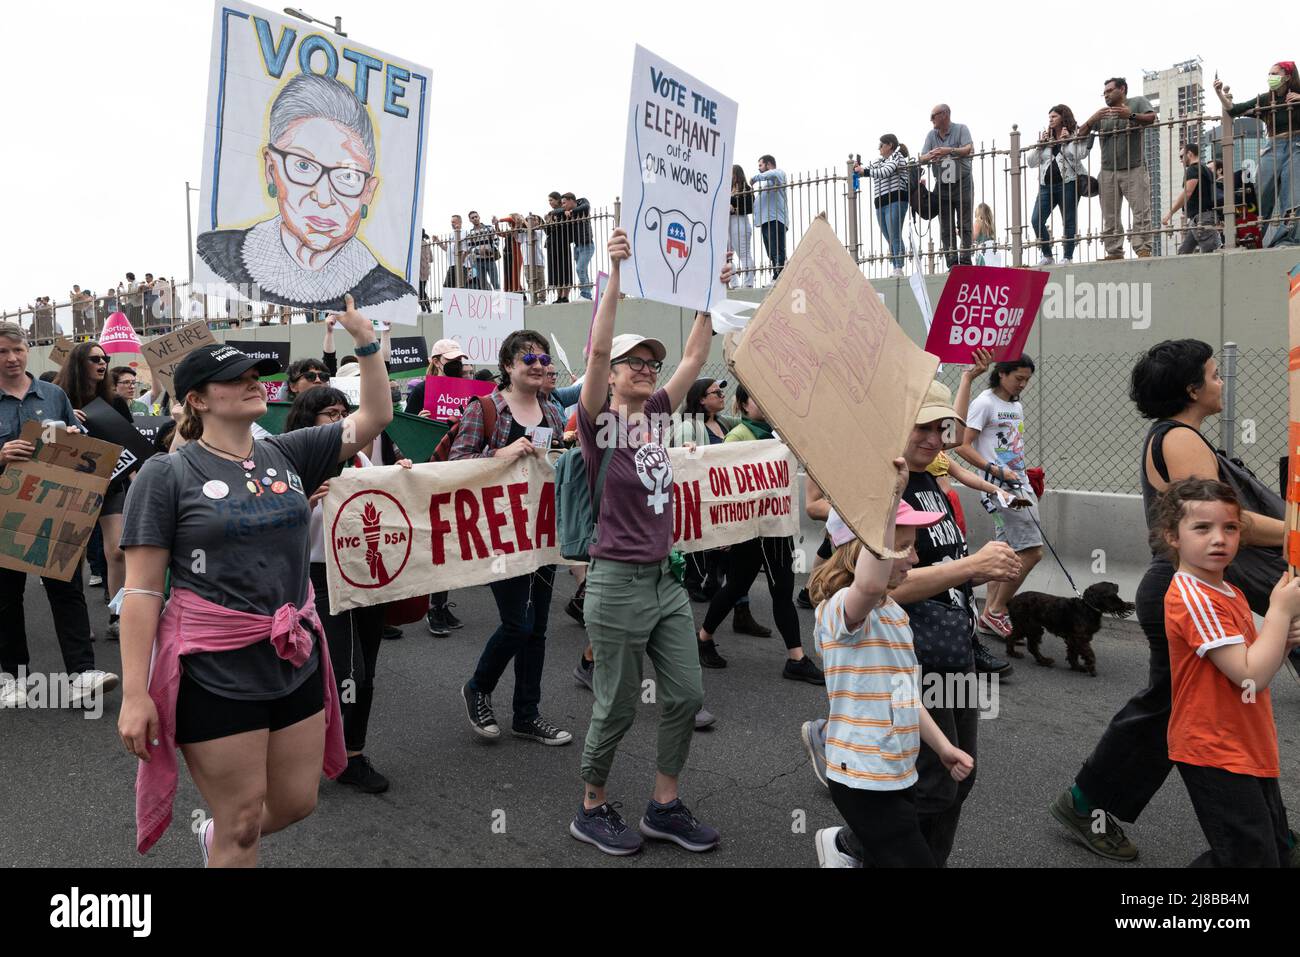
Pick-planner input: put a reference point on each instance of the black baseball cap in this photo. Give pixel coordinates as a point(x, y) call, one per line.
point(216, 363)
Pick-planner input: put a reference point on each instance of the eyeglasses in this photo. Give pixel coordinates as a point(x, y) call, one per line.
point(637, 364)
point(315, 376)
point(552, 375)
point(528, 358)
point(332, 414)
point(345, 180)
point(103, 359)
point(717, 392)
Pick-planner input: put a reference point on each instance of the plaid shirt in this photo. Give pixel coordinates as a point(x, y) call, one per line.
point(481, 241)
point(471, 443)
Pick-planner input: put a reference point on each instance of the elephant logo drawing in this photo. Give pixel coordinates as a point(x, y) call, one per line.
point(678, 234)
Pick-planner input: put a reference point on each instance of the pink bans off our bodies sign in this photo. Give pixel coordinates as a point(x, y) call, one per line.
point(445, 397)
point(985, 307)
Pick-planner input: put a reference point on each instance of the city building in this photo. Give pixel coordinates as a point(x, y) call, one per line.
point(1175, 93)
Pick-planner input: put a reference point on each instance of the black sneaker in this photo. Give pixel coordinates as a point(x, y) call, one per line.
point(478, 707)
point(448, 619)
point(804, 600)
point(805, 669)
point(604, 828)
point(361, 774)
point(434, 620)
point(986, 663)
point(542, 731)
point(574, 610)
point(674, 822)
point(392, 634)
point(709, 657)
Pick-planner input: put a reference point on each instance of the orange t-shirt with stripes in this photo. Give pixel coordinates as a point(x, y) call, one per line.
point(872, 679)
point(1213, 723)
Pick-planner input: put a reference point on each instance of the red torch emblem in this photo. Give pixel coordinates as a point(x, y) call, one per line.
point(370, 529)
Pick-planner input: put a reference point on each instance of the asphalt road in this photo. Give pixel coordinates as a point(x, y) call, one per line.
point(67, 795)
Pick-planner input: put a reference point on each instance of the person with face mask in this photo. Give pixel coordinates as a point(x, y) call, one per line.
point(1279, 162)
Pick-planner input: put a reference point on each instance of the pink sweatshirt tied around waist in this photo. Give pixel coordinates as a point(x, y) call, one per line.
point(191, 624)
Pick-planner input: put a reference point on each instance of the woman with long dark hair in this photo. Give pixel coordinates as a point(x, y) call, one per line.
point(889, 178)
point(742, 227)
point(1176, 384)
point(1061, 158)
point(84, 377)
point(354, 636)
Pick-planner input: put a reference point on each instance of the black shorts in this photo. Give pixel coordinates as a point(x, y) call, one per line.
point(204, 716)
point(826, 550)
point(114, 502)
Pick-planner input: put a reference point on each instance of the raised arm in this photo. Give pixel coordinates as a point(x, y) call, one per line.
point(376, 409)
point(595, 387)
point(697, 348)
point(871, 574)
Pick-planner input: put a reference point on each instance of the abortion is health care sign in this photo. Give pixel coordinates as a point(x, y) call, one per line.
point(985, 307)
point(676, 185)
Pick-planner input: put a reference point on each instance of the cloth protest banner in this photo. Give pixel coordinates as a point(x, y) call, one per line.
point(812, 357)
point(1293, 430)
point(676, 184)
point(49, 505)
point(60, 351)
point(407, 355)
point(105, 423)
point(985, 307)
point(445, 398)
point(480, 319)
point(165, 352)
point(313, 168)
point(392, 533)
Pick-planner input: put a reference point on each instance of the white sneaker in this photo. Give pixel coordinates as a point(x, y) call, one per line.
point(828, 855)
point(13, 694)
point(1046, 260)
point(91, 683)
point(94, 580)
point(1067, 261)
point(897, 271)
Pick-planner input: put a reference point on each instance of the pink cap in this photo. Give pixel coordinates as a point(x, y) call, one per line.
point(907, 515)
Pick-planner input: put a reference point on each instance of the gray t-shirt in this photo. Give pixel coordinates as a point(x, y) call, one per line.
point(249, 551)
point(957, 137)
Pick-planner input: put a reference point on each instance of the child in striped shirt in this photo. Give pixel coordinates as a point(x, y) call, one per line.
point(1221, 733)
point(877, 720)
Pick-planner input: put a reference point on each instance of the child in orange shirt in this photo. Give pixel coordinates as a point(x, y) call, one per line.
point(1221, 732)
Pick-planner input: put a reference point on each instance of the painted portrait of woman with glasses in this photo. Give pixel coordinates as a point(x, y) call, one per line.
point(320, 168)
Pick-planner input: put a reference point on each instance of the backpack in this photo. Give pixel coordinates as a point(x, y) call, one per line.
point(443, 452)
point(577, 504)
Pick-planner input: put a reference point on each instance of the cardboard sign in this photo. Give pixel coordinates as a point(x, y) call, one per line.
point(392, 533)
point(676, 185)
point(118, 336)
point(837, 378)
point(165, 352)
point(262, 349)
point(105, 423)
point(445, 398)
point(985, 307)
point(480, 319)
point(60, 351)
point(1293, 430)
point(49, 506)
point(273, 83)
point(408, 354)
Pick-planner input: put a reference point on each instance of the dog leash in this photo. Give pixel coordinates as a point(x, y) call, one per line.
point(1015, 487)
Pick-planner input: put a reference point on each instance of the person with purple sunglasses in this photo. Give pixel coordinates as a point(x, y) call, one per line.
point(524, 601)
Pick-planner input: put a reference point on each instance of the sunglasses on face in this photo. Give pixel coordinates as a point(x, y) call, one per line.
point(102, 359)
point(637, 364)
point(715, 392)
point(528, 358)
point(315, 376)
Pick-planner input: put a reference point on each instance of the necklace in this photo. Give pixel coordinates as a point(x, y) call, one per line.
point(245, 461)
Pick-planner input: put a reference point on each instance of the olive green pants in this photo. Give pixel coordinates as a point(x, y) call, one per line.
point(633, 609)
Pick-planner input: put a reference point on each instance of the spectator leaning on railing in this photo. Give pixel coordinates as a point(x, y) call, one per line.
point(741, 227)
point(889, 179)
point(771, 215)
point(949, 147)
point(482, 245)
point(559, 264)
point(1061, 158)
point(1197, 203)
point(1121, 123)
point(426, 266)
point(578, 213)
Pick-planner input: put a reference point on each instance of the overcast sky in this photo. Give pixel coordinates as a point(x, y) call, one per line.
point(104, 103)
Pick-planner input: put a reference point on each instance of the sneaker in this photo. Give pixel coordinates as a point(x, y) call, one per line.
point(1067, 261)
point(811, 735)
point(450, 620)
point(829, 853)
point(709, 657)
point(605, 828)
point(95, 581)
point(994, 624)
point(743, 623)
point(13, 693)
point(574, 610)
point(542, 731)
point(90, 683)
point(205, 839)
point(1110, 843)
point(987, 663)
point(392, 633)
point(703, 718)
point(898, 272)
point(479, 708)
point(804, 600)
point(805, 669)
point(674, 822)
point(582, 673)
point(433, 618)
point(114, 630)
point(1046, 260)
point(361, 774)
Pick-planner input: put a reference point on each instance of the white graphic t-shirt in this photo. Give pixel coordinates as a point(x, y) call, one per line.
point(1001, 426)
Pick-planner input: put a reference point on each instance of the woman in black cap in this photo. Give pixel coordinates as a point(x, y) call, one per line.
point(239, 679)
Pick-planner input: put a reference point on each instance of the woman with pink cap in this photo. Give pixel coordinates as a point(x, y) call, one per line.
point(877, 721)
